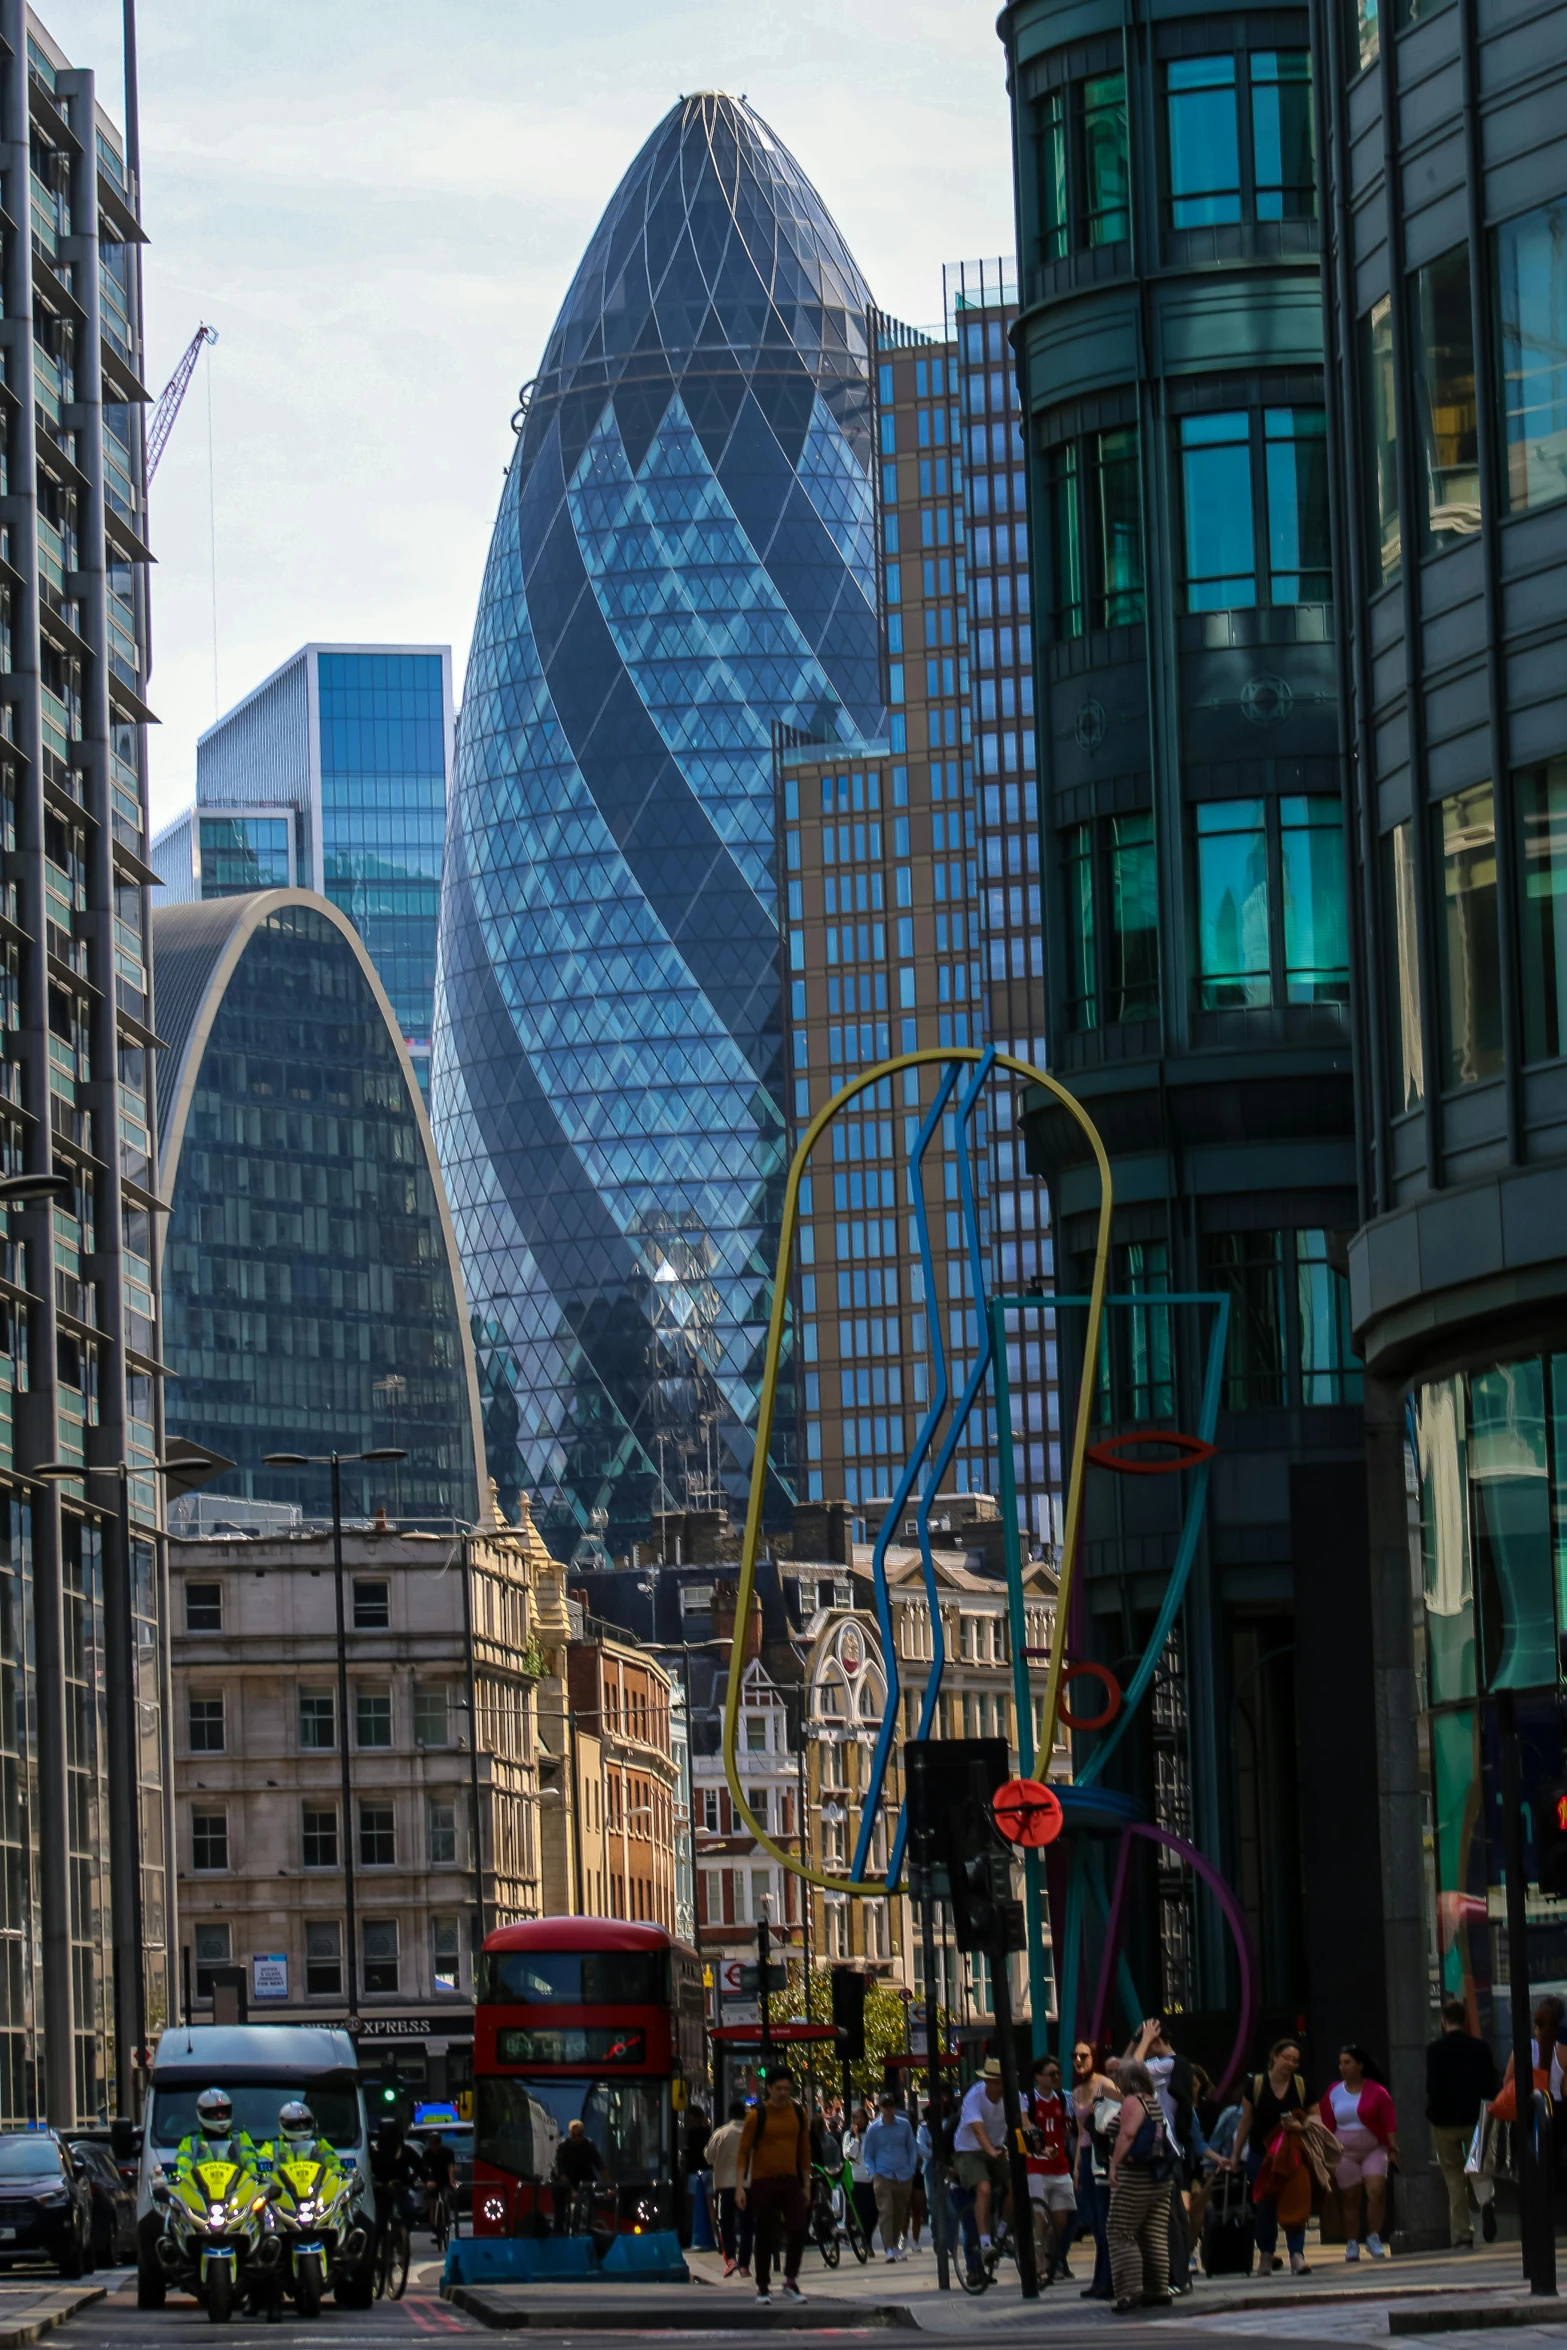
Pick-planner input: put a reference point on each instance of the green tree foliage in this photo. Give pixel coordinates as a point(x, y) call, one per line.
point(887, 2027)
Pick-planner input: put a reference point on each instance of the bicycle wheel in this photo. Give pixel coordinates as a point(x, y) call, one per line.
point(382, 2264)
point(441, 2229)
point(397, 2263)
point(858, 2238)
point(974, 2271)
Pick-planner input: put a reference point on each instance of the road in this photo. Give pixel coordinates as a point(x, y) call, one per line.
point(421, 2316)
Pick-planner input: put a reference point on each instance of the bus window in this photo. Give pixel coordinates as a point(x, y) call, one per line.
point(575, 1978)
point(519, 2124)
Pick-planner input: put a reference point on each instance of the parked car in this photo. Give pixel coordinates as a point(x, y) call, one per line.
point(113, 2203)
point(45, 2202)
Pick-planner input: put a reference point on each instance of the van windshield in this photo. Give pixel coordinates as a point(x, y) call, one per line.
point(334, 2103)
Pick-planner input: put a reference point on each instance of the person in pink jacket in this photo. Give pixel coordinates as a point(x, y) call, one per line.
point(1359, 2112)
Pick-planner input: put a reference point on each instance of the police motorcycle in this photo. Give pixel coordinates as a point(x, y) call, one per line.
point(214, 2222)
point(312, 2231)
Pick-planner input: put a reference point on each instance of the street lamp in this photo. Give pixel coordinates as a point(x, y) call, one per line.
point(334, 1461)
point(184, 1473)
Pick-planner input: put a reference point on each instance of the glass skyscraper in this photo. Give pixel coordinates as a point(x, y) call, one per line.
point(684, 558)
point(309, 1263)
point(332, 776)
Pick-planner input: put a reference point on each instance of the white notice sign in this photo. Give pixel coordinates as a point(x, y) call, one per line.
point(269, 1975)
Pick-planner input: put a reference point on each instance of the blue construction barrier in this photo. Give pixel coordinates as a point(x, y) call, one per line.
point(654, 2258)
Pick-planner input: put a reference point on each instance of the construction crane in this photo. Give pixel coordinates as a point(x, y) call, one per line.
point(170, 397)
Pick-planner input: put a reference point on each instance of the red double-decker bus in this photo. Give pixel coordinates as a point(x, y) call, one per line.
point(590, 2020)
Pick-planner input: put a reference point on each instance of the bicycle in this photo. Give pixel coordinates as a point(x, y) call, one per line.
point(440, 2219)
point(391, 2258)
point(977, 2263)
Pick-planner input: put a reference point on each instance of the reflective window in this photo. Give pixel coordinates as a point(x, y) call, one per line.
point(1136, 1361)
point(1401, 937)
point(240, 853)
point(1066, 540)
point(1094, 505)
point(1468, 953)
point(1132, 933)
point(1077, 861)
point(1080, 135)
point(378, 1954)
point(1541, 794)
point(212, 1949)
point(1283, 161)
point(1441, 1448)
point(1366, 32)
point(1511, 1499)
point(1316, 940)
point(1295, 455)
point(1216, 504)
point(1330, 1369)
point(1204, 135)
point(1442, 334)
point(1380, 426)
point(1531, 298)
point(1054, 226)
point(1233, 960)
point(1250, 1266)
point(323, 1957)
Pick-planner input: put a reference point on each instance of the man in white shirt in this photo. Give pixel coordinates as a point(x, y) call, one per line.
point(979, 2146)
point(723, 2156)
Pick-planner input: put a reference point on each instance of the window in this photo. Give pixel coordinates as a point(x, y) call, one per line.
point(1132, 938)
point(1235, 157)
point(1250, 1265)
point(323, 1958)
point(203, 1607)
point(372, 1606)
point(377, 1836)
point(1233, 954)
point(441, 1832)
point(1316, 942)
point(755, 1734)
point(1366, 32)
point(318, 1837)
point(378, 1943)
point(1295, 456)
point(1381, 432)
point(431, 1721)
point(1542, 858)
point(1136, 1364)
point(1082, 157)
point(1205, 157)
point(213, 1948)
point(1094, 509)
point(1219, 501)
point(209, 1839)
point(1221, 564)
point(373, 1717)
point(1468, 953)
point(1329, 1366)
point(317, 1720)
point(1531, 300)
point(1077, 862)
point(1444, 370)
point(445, 1954)
point(1406, 1050)
point(206, 1725)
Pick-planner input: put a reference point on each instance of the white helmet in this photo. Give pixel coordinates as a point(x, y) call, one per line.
point(296, 2124)
point(215, 2113)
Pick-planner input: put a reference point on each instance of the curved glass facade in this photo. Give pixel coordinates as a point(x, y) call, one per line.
point(308, 1289)
point(684, 557)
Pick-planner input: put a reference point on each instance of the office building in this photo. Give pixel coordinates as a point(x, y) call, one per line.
point(1446, 288)
point(1197, 955)
point(300, 1921)
point(86, 1918)
point(896, 944)
point(311, 1291)
point(331, 776)
point(684, 557)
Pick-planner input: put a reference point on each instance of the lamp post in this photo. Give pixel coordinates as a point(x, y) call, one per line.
point(334, 1461)
point(184, 1472)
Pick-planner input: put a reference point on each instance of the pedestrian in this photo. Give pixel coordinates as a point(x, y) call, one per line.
point(1273, 2108)
point(1460, 2078)
point(1141, 2168)
point(1172, 2079)
point(860, 2186)
point(979, 2148)
point(933, 2163)
point(1049, 2166)
point(1359, 2112)
point(892, 2158)
point(723, 2153)
point(1092, 2088)
point(774, 2181)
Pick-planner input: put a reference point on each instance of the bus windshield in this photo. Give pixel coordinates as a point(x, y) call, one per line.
point(519, 2124)
point(575, 1978)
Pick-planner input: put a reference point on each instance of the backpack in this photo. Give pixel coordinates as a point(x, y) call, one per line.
point(1150, 2149)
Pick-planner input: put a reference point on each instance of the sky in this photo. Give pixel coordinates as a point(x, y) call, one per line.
point(379, 205)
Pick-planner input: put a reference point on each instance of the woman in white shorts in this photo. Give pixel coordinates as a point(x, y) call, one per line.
point(1359, 2112)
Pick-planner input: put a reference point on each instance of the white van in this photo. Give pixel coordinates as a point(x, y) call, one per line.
point(261, 2066)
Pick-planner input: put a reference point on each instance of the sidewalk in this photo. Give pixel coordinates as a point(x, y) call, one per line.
point(1337, 2300)
point(31, 2306)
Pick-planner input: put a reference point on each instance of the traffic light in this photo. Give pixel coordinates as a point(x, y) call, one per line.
point(1550, 1836)
point(848, 2013)
point(979, 1872)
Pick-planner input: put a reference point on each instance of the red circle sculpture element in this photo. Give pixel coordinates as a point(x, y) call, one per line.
point(1184, 1452)
point(1112, 1705)
point(1027, 1812)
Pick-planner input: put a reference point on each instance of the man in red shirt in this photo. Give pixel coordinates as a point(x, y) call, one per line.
point(1052, 2199)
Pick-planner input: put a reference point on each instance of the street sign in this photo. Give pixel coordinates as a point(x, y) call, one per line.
point(1027, 1812)
point(751, 1979)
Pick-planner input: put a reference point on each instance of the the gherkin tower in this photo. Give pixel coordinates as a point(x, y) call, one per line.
point(684, 555)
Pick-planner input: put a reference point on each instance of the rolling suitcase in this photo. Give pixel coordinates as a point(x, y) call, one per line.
point(1226, 2228)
